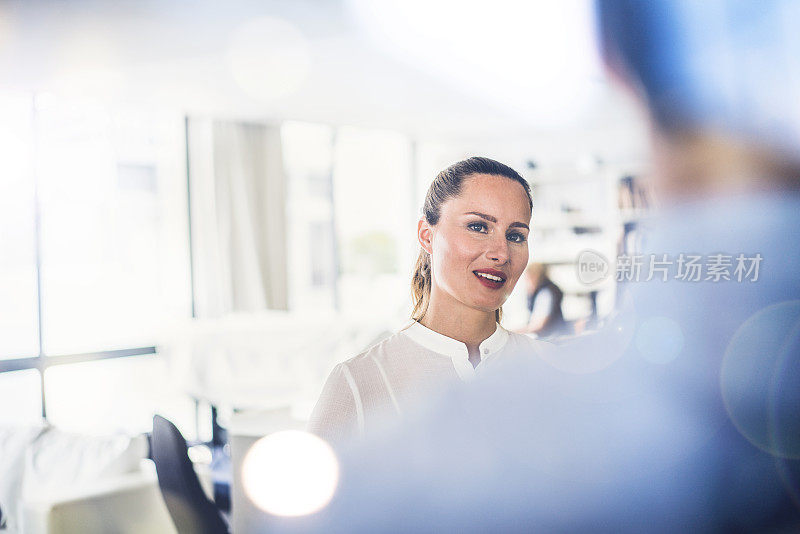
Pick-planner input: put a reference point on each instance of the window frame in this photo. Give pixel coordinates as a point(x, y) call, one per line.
point(43, 361)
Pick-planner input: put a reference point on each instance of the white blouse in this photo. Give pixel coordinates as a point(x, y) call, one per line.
point(362, 392)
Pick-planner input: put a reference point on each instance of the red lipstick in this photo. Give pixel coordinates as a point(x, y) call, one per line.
point(491, 278)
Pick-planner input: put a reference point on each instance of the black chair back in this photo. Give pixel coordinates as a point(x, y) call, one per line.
point(190, 509)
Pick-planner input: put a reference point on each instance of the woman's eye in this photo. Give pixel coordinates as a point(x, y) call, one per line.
point(476, 226)
point(516, 237)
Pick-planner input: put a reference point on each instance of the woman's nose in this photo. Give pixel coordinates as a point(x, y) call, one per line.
point(498, 249)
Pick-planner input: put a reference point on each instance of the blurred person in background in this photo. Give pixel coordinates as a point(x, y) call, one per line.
point(682, 413)
point(473, 240)
point(544, 303)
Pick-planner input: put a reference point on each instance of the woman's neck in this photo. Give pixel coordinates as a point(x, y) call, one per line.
point(457, 321)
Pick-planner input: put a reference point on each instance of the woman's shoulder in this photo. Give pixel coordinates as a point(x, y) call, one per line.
point(391, 345)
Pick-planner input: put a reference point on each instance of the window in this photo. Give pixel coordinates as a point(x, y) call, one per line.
point(132, 390)
point(22, 391)
point(352, 219)
point(19, 331)
point(105, 195)
point(375, 221)
point(308, 158)
point(95, 197)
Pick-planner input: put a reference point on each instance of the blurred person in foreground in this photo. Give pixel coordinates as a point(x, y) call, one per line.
point(684, 413)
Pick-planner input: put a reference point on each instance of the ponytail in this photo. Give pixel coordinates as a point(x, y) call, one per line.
point(421, 285)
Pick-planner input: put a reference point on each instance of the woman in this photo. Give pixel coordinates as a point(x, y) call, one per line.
point(474, 247)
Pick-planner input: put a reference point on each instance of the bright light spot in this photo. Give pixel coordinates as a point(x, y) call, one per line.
point(290, 473)
point(269, 58)
point(659, 340)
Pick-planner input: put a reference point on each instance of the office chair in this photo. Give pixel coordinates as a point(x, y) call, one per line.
point(190, 509)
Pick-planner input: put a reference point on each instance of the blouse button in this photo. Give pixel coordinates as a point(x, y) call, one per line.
point(486, 351)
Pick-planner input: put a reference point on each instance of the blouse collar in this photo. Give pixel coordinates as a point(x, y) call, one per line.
point(456, 350)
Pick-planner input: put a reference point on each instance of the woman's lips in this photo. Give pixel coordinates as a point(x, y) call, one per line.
point(491, 284)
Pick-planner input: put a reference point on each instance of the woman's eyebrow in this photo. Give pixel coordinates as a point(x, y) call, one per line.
point(494, 220)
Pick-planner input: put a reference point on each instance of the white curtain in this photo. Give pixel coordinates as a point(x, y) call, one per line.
point(238, 207)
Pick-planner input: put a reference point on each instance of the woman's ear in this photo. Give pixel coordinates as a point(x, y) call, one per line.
point(425, 234)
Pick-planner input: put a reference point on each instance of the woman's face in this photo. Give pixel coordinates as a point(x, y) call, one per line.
point(479, 247)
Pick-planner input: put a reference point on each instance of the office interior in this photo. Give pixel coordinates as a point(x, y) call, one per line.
point(205, 207)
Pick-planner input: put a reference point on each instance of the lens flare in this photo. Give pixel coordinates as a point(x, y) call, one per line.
point(760, 379)
point(290, 473)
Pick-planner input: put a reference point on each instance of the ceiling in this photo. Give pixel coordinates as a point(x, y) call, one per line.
point(432, 69)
